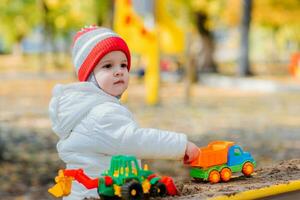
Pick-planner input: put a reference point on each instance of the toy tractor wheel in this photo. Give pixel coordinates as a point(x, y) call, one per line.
point(214, 176)
point(158, 189)
point(248, 169)
point(132, 191)
point(225, 174)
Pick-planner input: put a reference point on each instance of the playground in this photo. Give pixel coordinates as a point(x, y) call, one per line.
point(265, 124)
point(188, 75)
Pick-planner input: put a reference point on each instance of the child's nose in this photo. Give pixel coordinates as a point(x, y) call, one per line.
point(118, 70)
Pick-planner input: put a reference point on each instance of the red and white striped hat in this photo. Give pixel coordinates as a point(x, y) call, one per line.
point(93, 43)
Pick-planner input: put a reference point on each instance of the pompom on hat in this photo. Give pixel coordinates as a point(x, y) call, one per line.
point(91, 44)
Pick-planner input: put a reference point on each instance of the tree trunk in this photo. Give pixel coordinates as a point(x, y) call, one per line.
point(205, 61)
point(42, 54)
point(244, 64)
point(190, 74)
point(17, 49)
point(208, 63)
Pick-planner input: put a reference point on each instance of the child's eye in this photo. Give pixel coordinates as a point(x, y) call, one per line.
point(124, 65)
point(107, 66)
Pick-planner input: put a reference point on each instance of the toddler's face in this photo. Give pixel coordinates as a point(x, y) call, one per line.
point(112, 74)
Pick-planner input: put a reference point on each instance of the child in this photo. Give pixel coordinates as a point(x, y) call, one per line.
point(91, 122)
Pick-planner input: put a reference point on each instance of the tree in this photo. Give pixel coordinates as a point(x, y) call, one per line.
point(18, 18)
point(104, 12)
point(206, 63)
point(279, 19)
point(204, 15)
point(59, 19)
point(244, 65)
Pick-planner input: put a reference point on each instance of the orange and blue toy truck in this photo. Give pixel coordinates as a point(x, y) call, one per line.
point(123, 180)
point(219, 160)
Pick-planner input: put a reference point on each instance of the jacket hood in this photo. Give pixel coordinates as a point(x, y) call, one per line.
point(70, 103)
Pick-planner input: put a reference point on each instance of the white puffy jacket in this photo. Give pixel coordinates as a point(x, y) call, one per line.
point(92, 125)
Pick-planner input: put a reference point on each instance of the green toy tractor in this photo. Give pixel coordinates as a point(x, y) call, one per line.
point(124, 179)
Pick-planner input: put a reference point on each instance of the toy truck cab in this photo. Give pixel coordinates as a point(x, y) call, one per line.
point(237, 156)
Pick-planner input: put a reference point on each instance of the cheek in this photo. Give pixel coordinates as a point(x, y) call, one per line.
point(102, 80)
point(126, 79)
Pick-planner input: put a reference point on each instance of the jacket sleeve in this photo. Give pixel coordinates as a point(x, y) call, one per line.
point(116, 132)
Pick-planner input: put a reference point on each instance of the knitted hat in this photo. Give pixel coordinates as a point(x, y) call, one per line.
point(93, 43)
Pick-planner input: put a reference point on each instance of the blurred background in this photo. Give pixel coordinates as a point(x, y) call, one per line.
point(213, 69)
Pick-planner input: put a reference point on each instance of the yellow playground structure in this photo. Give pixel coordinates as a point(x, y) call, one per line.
point(164, 37)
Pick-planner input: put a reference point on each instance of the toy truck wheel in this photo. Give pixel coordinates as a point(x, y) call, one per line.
point(214, 176)
point(132, 191)
point(225, 174)
point(248, 169)
point(158, 189)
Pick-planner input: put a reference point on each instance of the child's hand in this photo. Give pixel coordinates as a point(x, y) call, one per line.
point(191, 152)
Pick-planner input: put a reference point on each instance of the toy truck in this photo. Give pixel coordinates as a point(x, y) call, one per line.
point(219, 160)
point(124, 179)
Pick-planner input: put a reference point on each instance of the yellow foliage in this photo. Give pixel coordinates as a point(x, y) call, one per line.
point(199, 5)
point(60, 22)
point(232, 12)
point(273, 13)
point(226, 12)
point(52, 4)
point(276, 13)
